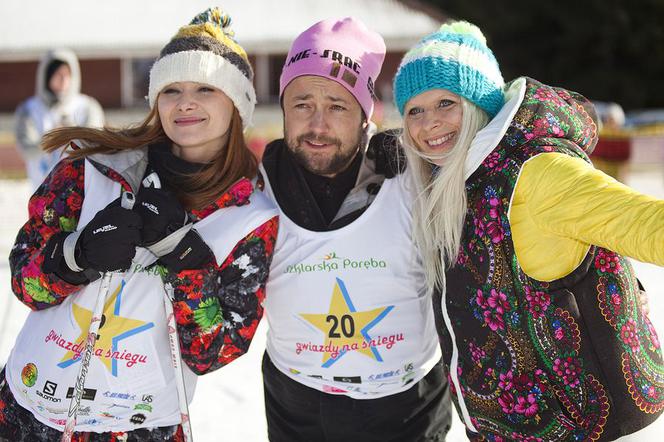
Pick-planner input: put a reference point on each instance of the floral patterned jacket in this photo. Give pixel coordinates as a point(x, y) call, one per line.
point(571, 359)
point(217, 308)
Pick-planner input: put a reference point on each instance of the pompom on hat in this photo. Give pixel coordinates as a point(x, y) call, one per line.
point(204, 51)
point(455, 58)
point(343, 50)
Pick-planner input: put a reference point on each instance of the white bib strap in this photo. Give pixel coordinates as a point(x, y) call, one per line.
point(241, 220)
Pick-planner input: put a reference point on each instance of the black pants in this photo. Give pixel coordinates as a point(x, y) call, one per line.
point(298, 413)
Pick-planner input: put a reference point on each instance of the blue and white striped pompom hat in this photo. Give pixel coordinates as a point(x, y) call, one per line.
point(455, 58)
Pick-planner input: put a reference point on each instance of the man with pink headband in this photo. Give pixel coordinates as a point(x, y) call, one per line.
point(352, 350)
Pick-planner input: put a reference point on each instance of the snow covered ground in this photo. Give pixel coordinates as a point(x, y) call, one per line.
point(228, 405)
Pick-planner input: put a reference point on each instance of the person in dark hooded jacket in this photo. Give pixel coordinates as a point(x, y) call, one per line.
point(543, 325)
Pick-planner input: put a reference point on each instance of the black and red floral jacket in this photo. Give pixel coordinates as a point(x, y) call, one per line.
point(567, 360)
point(217, 308)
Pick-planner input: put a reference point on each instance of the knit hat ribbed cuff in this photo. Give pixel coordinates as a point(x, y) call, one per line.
point(208, 68)
point(429, 73)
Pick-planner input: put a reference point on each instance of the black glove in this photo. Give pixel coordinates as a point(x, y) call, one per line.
point(190, 253)
point(161, 213)
point(54, 262)
point(109, 241)
point(386, 151)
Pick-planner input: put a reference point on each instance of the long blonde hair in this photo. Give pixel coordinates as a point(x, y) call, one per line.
point(198, 190)
point(440, 204)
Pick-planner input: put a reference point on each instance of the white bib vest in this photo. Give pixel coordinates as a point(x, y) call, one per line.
point(348, 309)
point(130, 382)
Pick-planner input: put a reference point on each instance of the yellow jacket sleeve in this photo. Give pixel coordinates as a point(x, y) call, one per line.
point(562, 205)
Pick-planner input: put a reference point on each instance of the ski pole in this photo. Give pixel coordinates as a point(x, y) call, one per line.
point(176, 361)
point(176, 357)
point(127, 202)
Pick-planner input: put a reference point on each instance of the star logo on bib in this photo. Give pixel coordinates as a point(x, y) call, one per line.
point(113, 329)
point(345, 328)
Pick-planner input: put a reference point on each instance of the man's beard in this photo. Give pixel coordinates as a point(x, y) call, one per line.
point(322, 163)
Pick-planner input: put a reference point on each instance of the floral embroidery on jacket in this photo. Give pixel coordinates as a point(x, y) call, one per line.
point(528, 364)
point(217, 308)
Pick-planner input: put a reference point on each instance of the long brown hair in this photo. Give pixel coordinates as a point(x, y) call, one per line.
point(231, 163)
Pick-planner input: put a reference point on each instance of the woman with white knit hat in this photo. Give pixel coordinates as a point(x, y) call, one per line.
point(199, 225)
point(544, 331)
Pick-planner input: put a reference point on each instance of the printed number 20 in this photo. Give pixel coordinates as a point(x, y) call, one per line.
point(347, 326)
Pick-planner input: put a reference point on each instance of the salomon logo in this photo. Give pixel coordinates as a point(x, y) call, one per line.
point(106, 228)
point(50, 387)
